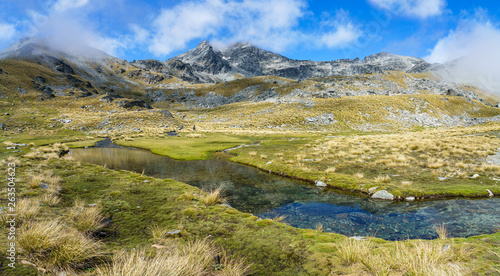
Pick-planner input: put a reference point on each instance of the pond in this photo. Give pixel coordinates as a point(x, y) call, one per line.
point(304, 205)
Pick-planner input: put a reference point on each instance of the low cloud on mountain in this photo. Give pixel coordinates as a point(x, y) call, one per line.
point(472, 51)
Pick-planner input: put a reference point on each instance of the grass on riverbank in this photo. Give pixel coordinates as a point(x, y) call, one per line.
point(430, 163)
point(130, 205)
point(186, 148)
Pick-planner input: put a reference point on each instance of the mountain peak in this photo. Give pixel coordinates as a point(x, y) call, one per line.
point(204, 44)
point(51, 46)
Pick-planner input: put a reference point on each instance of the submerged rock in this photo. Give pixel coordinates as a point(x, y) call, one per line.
point(320, 183)
point(383, 194)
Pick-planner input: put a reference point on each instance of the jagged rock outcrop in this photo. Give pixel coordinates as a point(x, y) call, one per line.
point(207, 63)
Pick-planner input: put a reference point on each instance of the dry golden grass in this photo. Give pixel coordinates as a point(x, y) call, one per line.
point(412, 257)
point(196, 135)
point(51, 199)
point(46, 177)
point(330, 170)
point(190, 259)
point(53, 246)
point(383, 179)
point(441, 231)
point(159, 233)
point(252, 153)
point(86, 219)
point(27, 208)
point(359, 175)
point(350, 251)
point(212, 197)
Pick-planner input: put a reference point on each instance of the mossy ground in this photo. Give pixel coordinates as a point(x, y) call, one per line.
point(133, 202)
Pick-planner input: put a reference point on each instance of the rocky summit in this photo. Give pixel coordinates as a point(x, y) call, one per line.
point(244, 59)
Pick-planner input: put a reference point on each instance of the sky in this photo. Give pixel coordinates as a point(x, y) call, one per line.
point(436, 30)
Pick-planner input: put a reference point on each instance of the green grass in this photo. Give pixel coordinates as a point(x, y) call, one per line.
point(183, 148)
point(82, 144)
point(132, 205)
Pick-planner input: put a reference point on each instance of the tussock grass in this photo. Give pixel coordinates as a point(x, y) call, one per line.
point(159, 233)
point(441, 231)
point(193, 258)
point(52, 245)
point(196, 135)
point(383, 179)
point(51, 199)
point(330, 170)
point(86, 219)
point(212, 197)
point(27, 208)
point(351, 251)
point(46, 177)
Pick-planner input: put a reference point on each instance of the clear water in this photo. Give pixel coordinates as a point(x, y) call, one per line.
point(303, 205)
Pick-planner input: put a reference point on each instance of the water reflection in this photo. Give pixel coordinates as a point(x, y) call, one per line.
point(305, 206)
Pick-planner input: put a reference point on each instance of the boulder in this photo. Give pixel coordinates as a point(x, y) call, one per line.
point(320, 183)
point(129, 104)
point(383, 194)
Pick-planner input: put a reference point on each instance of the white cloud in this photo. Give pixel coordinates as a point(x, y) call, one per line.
point(413, 8)
point(64, 5)
point(341, 37)
point(473, 48)
point(7, 32)
point(271, 24)
point(338, 31)
point(68, 28)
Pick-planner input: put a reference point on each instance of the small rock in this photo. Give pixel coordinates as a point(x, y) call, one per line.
point(65, 121)
point(410, 198)
point(320, 183)
point(445, 248)
point(442, 178)
point(372, 189)
point(490, 194)
point(92, 204)
point(358, 238)
point(174, 232)
point(146, 181)
point(474, 176)
point(269, 163)
point(43, 185)
point(383, 194)
point(7, 114)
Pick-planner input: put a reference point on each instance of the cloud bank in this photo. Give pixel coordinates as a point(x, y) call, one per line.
point(412, 8)
point(271, 24)
point(7, 31)
point(472, 51)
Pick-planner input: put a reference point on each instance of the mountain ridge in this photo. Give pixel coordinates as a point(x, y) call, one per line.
point(250, 61)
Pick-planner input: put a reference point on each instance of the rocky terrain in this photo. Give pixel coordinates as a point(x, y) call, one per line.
point(208, 78)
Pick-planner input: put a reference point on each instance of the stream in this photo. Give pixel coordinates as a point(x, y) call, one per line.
point(303, 205)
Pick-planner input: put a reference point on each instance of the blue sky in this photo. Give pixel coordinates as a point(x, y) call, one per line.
point(437, 30)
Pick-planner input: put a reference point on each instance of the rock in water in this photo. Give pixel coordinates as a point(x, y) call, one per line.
point(320, 183)
point(383, 194)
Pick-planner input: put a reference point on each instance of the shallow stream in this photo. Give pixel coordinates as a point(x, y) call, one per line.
point(303, 205)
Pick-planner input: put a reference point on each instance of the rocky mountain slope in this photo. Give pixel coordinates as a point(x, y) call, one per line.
point(243, 59)
point(242, 72)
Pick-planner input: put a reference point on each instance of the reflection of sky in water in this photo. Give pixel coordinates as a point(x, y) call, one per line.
point(305, 206)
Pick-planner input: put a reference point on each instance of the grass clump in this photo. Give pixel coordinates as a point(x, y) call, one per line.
point(86, 219)
point(56, 247)
point(383, 179)
point(213, 197)
point(193, 258)
point(27, 208)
